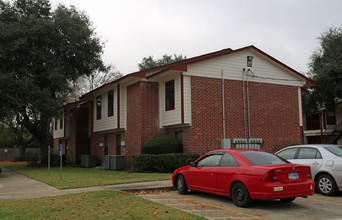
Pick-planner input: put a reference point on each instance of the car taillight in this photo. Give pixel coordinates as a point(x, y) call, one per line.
point(309, 175)
point(269, 176)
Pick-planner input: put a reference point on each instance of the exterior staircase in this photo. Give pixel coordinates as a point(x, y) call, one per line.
point(333, 136)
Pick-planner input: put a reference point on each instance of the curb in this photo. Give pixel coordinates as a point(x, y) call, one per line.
point(169, 188)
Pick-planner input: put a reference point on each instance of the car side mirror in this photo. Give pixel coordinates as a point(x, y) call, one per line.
point(193, 164)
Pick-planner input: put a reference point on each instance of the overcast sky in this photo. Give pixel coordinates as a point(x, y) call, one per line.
point(288, 30)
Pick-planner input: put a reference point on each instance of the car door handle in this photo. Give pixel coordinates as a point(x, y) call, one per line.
point(315, 163)
point(212, 173)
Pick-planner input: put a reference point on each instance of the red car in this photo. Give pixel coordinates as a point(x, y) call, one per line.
point(245, 175)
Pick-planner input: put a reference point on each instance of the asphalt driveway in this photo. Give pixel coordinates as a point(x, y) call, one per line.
point(219, 207)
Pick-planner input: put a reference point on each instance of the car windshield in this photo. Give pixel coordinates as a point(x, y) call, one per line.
point(337, 150)
point(262, 158)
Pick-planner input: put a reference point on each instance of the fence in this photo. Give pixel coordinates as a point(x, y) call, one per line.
point(13, 153)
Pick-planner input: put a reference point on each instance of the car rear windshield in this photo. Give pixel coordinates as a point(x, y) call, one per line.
point(337, 150)
point(262, 158)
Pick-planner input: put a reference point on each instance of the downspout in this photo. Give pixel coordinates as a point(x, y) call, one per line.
point(223, 109)
point(244, 102)
point(248, 112)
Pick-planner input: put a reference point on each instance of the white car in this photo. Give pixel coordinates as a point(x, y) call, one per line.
point(325, 161)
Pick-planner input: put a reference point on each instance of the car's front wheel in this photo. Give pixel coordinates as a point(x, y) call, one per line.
point(182, 187)
point(240, 195)
point(326, 185)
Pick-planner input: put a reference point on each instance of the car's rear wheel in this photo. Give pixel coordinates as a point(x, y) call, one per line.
point(182, 187)
point(240, 195)
point(288, 199)
point(326, 185)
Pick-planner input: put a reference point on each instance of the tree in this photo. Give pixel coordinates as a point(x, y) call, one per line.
point(19, 134)
point(150, 62)
point(42, 52)
point(86, 84)
point(326, 70)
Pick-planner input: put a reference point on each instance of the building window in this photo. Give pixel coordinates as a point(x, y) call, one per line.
point(55, 123)
point(98, 107)
point(110, 103)
point(61, 120)
point(170, 95)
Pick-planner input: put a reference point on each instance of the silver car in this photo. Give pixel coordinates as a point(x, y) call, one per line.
point(325, 161)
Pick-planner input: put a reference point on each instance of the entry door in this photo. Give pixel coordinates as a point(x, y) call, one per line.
point(179, 136)
point(118, 144)
point(106, 145)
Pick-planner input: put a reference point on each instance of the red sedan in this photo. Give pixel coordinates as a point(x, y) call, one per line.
point(245, 175)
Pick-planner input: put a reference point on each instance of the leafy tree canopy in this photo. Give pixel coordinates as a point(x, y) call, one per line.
point(151, 62)
point(42, 51)
point(326, 70)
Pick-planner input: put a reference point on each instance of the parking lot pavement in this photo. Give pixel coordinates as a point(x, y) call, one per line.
point(218, 207)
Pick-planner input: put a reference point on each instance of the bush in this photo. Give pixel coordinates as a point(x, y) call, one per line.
point(160, 144)
point(162, 163)
point(32, 159)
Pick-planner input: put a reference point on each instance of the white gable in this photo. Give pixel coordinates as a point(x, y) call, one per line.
point(232, 65)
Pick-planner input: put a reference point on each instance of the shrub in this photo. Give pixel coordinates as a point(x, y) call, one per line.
point(162, 163)
point(32, 159)
point(160, 144)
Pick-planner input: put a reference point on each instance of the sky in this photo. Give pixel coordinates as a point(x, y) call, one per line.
point(288, 30)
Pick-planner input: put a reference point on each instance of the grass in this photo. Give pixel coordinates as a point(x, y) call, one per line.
point(76, 177)
point(93, 205)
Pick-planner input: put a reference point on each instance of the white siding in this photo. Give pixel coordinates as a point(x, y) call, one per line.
point(338, 114)
point(300, 107)
point(106, 122)
point(233, 65)
point(171, 117)
point(123, 106)
point(59, 133)
point(187, 99)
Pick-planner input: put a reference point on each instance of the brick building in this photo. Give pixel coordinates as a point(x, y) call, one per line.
point(240, 98)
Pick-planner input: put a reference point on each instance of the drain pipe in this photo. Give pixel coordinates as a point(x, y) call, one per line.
point(223, 109)
point(244, 102)
point(248, 112)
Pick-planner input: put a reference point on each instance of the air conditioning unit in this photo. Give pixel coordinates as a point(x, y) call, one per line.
point(88, 161)
point(117, 162)
point(107, 162)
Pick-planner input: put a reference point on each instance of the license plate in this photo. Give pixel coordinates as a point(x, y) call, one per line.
point(293, 176)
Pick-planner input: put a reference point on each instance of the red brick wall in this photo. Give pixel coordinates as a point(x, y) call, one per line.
point(150, 110)
point(132, 136)
point(142, 116)
point(274, 114)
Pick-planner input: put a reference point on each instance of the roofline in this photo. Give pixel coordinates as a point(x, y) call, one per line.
point(71, 104)
point(309, 82)
point(140, 74)
point(182, 65)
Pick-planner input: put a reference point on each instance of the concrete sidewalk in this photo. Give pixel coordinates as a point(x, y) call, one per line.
point(14, 186)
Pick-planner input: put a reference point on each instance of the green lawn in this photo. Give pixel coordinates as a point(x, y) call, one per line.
point(93, 205)
point(76, 177)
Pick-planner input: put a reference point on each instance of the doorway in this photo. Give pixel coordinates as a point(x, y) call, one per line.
point(118, 144)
